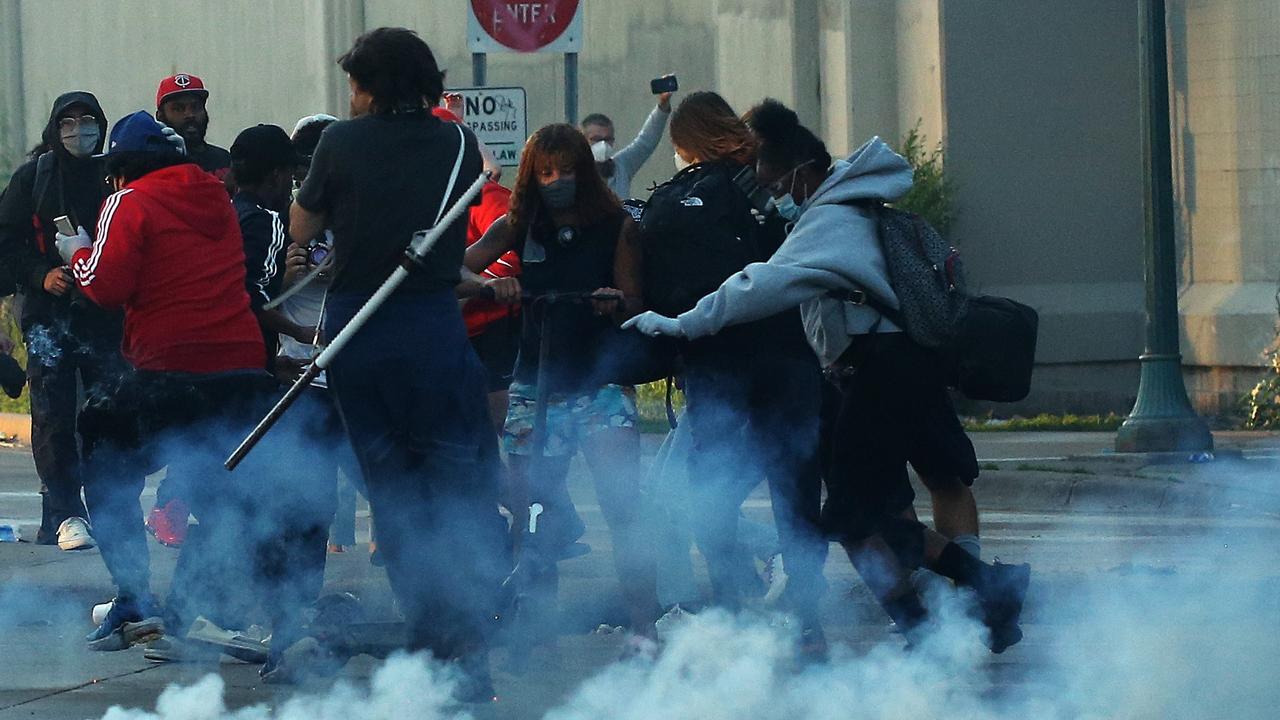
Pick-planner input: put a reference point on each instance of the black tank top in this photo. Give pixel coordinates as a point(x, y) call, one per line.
point(576, 334)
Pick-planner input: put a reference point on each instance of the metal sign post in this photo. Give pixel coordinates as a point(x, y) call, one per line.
point(571, 88)
point(527, 27)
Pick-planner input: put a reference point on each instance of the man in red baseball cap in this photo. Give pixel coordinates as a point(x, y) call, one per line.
point(180, 104)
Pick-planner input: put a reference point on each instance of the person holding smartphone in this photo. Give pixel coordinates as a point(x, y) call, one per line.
point(69, 339)
point(618, 168)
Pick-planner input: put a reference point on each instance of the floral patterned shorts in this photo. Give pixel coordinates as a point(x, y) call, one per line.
point(570, 418)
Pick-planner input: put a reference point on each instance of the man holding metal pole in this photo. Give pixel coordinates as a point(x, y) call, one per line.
point(411, 390)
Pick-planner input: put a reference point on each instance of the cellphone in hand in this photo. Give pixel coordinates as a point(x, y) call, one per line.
point(664, 84)
point(64, 226)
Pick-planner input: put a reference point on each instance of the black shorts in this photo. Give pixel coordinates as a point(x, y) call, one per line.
point(894, 410)
point(497, 347)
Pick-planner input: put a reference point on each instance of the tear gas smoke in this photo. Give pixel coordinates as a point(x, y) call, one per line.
point(43, 346)
point(1144, 645)
point(404, 687)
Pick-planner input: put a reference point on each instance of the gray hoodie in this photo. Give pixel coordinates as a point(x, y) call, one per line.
point(833, 249)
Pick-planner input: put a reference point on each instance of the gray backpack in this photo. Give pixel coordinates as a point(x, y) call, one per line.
point(925, 273)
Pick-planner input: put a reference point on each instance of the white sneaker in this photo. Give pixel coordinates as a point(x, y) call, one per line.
point(775, 575)
point(100, 611)
point(73, 534)
point(671, 621)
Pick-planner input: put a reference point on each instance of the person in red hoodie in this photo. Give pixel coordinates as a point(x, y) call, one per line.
point(169, 252)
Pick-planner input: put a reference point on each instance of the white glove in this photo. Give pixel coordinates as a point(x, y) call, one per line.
point(652, 324)
point(175, 139)
point(69, 244)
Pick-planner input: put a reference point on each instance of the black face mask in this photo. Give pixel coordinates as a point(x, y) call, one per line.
point(559, 195)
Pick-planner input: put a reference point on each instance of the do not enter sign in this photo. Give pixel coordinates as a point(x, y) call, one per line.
point(529, 26)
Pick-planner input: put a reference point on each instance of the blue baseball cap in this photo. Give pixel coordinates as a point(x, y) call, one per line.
point(138, 132)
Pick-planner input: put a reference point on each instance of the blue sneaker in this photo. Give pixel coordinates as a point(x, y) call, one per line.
point(127, 623)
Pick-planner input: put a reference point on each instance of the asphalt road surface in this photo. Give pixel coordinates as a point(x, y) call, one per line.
point(1083, 519)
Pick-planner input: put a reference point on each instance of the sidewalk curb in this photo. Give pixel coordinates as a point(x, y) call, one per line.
point(16, 425)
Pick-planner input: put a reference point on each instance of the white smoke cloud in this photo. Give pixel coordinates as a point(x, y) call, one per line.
point(1198, 642)
point(405, 686)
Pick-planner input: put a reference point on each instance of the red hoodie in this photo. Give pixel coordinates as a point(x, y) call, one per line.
point(479, 313)
point(169, 251)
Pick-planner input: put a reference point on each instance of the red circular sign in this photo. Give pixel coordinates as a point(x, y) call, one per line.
point(525, 26)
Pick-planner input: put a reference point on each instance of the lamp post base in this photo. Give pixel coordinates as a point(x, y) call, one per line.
point(1162, 419)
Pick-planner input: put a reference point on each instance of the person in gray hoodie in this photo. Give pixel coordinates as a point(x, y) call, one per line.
point(894, 406)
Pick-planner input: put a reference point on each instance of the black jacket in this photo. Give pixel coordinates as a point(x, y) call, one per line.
point(266, 240)
point(53, 184)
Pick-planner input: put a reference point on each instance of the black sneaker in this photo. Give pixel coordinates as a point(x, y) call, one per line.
point(1001, 596)
point(128, 623)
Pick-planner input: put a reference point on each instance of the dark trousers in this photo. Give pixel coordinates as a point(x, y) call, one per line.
point(261, 534)
point(751, 417)
point(412, 396)
point(55, 359)
point(893, 410)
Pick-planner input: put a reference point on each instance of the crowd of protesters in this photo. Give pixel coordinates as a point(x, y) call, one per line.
point(171, 289)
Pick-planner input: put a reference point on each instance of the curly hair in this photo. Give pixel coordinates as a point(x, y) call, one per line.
point(784, 142)
point(564, 147)
point(705, 125)
point(395, 66)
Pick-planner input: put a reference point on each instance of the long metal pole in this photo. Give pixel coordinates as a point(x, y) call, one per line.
point(571, 88)
point(479, 69)
point(1162, 418)
point(420, 246)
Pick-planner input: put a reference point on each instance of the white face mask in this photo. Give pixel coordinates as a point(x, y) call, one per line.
point(681, 163)
point(601, 150)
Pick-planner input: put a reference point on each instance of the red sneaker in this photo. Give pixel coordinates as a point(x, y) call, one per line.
point(168, 523)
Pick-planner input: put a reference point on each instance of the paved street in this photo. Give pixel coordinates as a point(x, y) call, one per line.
point(1083, 517)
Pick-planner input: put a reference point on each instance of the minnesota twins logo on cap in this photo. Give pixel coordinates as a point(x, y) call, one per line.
point(180, 83)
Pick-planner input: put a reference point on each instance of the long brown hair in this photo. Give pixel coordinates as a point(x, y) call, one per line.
point(565, 147)
point(705, 125)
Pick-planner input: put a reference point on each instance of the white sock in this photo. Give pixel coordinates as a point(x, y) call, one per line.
point(970, 544)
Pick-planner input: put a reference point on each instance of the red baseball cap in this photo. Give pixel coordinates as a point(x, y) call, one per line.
point(180, 83)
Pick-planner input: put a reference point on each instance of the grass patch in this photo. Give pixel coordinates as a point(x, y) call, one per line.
point(1046, 423)
point(651, 402)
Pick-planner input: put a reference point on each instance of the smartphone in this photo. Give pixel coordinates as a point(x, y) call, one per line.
point(664, 84)
point(64, 226)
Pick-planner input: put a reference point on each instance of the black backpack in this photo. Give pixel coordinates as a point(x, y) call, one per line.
point(696, 231)
point(988, 343)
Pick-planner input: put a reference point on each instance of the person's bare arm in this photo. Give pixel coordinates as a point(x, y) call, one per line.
point(304, 224)
point(496, 240)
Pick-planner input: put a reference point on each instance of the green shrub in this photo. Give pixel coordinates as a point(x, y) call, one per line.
point(933, 193)
point(1262, 404)
point(9, 326)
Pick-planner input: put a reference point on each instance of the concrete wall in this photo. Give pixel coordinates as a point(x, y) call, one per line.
point(1037, 101)
point(1043, 136)
point(1226, 117)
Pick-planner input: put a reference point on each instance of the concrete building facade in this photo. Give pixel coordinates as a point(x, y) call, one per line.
point(1038, 102)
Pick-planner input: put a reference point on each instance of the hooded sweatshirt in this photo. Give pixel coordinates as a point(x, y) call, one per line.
point(169, 251)
point(56, 183)
point(833, 249)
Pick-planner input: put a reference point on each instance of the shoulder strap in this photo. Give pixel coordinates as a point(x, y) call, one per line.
point(44, 175)
point(453, 178)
